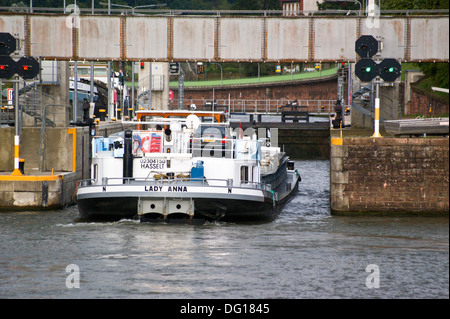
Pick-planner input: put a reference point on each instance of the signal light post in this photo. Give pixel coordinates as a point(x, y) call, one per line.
point(368, 70)
point(27, 68)
point(376, 126)
point(16, 171)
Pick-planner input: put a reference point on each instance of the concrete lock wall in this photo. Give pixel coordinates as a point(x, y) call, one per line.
point(32, 193)
point(51, 182)
point(390, 175)
point(7, 149)
point(56, 150)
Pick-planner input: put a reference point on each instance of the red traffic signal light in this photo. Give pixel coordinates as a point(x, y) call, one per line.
point(7, 67)
point(28, 67)
point(142, 65)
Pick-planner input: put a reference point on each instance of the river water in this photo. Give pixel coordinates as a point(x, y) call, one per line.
point(304, 253)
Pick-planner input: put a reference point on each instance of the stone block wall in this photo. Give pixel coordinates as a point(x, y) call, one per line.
point(390, 175)
point(311, 89)
point(426, 105)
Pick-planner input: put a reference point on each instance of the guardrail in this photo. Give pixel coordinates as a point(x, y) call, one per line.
point(258, 106)
point(185, 181)
point(212, 147)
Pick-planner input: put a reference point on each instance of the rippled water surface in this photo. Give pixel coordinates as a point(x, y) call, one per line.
point(305, 253)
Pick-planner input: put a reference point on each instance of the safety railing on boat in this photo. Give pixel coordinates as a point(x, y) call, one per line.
point(197, 146)
point(212, 147)
point(186, 181)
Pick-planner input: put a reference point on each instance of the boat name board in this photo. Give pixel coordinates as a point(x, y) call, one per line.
point(156, 188)
point(166, 188)
point(153, 163)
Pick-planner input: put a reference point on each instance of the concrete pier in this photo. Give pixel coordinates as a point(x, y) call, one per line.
point(52, 169)
point(389, 176)
point(40, 191)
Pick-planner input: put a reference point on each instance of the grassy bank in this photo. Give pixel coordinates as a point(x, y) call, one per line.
point(265, 79)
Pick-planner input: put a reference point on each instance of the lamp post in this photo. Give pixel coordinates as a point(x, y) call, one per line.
point(352, 1)
point(360, 7)
point(91, 95)
point(221, 72)
point(132, 8)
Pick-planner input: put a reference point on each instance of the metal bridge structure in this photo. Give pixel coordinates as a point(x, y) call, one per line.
point(217, 37)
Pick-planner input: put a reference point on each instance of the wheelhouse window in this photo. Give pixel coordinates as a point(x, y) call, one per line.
point(244, 174)
point(95, 173)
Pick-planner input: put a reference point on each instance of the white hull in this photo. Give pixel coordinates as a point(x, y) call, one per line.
point(188, 200)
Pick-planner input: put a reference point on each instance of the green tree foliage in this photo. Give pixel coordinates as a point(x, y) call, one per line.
point(338, 5)
point(437, 72)
point(171, 4)
point(414, 4)
point(387, 5)
point(238, 4)
point(256, 5)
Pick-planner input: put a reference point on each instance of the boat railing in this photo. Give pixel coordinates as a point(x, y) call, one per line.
point(257, 185)
point(198, 146)
point(120, 181)
point(212, 147)
point(244, 149)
